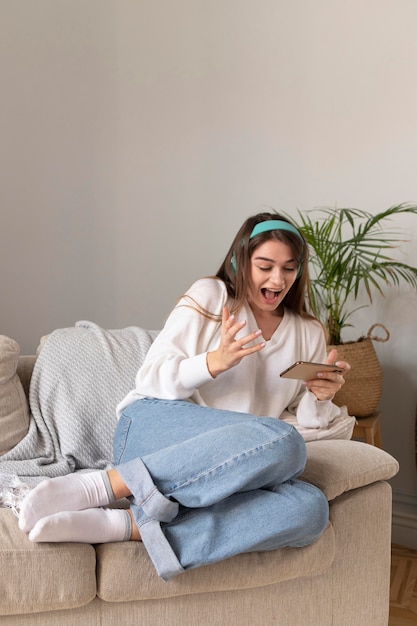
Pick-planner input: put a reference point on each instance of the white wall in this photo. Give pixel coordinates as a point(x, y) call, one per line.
point(136, 136)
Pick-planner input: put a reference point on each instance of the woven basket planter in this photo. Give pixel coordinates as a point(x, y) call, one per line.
point(362, 390)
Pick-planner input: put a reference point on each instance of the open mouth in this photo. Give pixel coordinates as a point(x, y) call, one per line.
point(270, 295)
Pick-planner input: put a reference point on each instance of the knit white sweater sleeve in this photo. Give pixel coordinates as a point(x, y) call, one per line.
point(176, 364)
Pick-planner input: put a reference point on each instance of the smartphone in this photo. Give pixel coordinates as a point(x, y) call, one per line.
point(303, 370)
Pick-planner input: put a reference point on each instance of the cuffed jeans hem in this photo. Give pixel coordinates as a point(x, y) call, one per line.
point(145, 493)
point(159, 550)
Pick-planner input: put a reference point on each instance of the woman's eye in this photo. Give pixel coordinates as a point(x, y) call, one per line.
point(290, 269)
point(265, 269)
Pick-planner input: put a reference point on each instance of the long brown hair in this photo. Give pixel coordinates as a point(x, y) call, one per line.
point(235, 268)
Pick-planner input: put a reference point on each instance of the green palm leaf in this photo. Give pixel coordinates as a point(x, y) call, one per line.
point(350, 255)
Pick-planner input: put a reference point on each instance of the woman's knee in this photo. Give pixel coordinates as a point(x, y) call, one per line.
point(315, 516)
point(292, 448)
point(298, 450)
point(285, 454)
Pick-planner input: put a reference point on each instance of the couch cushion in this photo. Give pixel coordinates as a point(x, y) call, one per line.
point(125, 572)
point(339, 466)
point(44, 576)
point(14, 410)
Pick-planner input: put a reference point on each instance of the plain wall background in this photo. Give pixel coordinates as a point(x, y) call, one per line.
point(137, 135)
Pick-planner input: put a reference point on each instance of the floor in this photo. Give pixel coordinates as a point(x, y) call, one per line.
point(403, 597)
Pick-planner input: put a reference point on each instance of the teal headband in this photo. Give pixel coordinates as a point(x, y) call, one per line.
point(264, 227)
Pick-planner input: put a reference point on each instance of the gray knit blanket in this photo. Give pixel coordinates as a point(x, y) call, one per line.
point(79, 377)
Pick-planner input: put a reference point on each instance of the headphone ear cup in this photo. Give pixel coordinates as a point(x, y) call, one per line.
point(233, 262)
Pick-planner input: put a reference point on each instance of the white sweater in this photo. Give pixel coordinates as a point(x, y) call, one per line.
point(175, 366)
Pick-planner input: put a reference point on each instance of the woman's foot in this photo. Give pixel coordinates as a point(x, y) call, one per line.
point(74, 492)
point(98, 525)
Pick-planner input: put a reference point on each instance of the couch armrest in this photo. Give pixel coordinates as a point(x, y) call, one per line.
point(337, 466)
point(24, 370)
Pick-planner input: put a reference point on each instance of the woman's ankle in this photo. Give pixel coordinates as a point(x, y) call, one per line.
point(119, 488)
point(135, 536)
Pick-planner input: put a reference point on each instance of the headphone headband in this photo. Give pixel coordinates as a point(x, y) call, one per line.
point(263, 227)
point(268, 225)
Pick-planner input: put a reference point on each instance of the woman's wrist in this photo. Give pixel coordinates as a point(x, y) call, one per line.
point(211, 364)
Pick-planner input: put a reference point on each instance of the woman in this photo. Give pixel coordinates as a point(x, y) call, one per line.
point(209, 469)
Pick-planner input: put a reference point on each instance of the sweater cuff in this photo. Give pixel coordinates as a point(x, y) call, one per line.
point(313, 413)
point(193, 372)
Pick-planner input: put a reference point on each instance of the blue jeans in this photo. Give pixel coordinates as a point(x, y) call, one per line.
point(208, 484)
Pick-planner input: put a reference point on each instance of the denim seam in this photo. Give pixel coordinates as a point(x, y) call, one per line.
point(147, 497)
point(126, 421)
point(143, 522)
point(233, 459)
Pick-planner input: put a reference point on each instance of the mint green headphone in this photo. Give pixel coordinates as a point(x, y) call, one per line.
point(264, 227)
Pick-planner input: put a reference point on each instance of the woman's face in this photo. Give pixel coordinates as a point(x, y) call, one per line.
point(273, 271)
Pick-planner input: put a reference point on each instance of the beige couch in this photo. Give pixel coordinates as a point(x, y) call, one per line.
point(341, 580)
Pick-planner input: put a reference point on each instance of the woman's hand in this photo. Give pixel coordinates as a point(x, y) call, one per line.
point(231, 350)
point(327, 384)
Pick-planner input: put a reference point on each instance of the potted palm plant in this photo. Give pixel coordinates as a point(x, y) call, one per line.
point(350, 259)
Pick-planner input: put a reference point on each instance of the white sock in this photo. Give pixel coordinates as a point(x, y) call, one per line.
point(88, 526)
point(74, 492)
